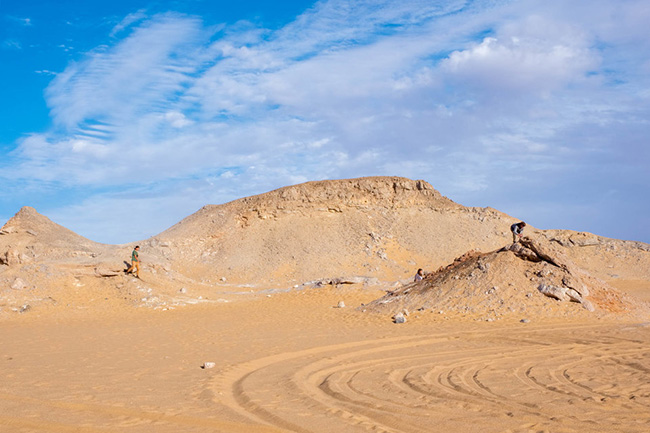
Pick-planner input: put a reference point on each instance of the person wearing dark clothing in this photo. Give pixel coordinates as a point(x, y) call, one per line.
point(517, 229)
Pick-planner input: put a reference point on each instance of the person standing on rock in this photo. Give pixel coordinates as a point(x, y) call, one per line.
point(135, 262)
point(419, 275)
point(517, 229)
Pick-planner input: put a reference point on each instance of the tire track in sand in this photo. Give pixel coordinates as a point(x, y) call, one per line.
point(558, 378)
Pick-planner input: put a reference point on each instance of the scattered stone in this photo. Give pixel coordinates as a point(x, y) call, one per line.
point(207, 365)
point(11, 257)
point(576, 285)
point(525, 321)
point(8, 230)
point(341, 304)
point(399, 318)
point(573, 295)
point(223, 279)
point(25, 308)
point(588, 306)
point(343, 280)
point(18, 284)
point(183, 290)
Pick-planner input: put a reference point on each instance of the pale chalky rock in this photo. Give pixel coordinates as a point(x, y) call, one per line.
point(565, 294)
point(399, 318)
point(18, 284)
point(553, 292)
point(207, 365)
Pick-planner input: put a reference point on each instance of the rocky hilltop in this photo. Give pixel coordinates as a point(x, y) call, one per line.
point(369, 229)
point(379, 226)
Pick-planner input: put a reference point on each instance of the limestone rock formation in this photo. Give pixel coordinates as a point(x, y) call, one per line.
point(376, 229)
point(518, 278)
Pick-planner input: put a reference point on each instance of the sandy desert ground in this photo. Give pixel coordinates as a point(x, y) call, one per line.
point(293, 362)
point(104, 352)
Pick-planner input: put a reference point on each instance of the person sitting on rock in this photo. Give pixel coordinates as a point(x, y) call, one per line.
point(517, 229)
point(419, 275)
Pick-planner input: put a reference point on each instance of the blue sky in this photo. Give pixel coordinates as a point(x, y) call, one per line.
point(118, 119)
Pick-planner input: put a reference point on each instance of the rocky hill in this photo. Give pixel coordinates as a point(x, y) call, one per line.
point(531, 278)
point(380, 228)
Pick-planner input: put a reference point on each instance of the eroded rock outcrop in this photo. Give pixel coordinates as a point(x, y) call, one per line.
point(520, 278)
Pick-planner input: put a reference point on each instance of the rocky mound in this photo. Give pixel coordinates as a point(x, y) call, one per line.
point(531, 278)
point(30, 236)
point(382, 227)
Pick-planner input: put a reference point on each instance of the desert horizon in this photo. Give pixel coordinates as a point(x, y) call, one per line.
point(297, 311)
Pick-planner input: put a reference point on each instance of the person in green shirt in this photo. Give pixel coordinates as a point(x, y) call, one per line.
point(135, 262)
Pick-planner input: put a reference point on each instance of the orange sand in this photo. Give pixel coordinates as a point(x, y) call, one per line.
point(292, 362)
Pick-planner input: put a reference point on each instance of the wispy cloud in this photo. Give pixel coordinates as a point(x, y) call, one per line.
point(26, 22)
point(128, 21)
point(486, 100)
point(12, 44)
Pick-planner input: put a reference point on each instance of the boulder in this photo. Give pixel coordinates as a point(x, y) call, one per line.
point(522, 252)
point(10, 257)
point(565, 294)
point(558, 293)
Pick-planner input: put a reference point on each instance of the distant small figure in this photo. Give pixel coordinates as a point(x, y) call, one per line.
point(419, 275)
point(517, 229)
point(135, 262)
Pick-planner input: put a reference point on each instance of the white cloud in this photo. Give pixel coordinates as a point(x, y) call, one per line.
point(128, 21)
point(177, 119)
point(519, 64)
